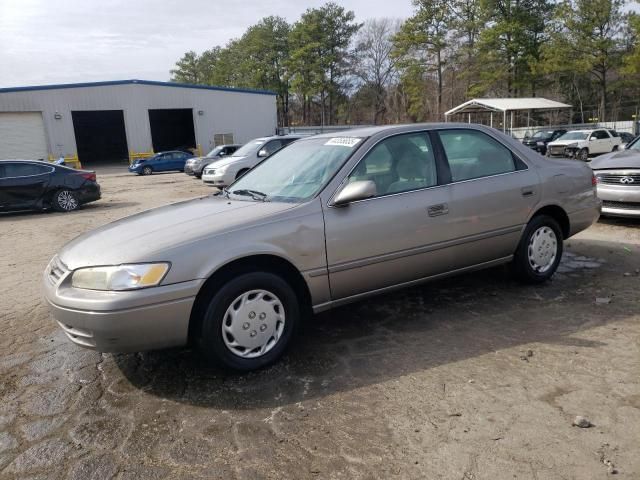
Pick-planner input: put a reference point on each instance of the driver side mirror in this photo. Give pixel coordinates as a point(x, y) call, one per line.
point(263, 153)
point(591, 139)
point(355, 191)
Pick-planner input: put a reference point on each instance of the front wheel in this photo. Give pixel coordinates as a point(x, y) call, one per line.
point(65, 201)
point(147, 171)
point(250, 321)
point(241, 173)
point(540, 250)
point(583, 155)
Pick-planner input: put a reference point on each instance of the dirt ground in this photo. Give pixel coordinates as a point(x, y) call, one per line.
point(475, 377)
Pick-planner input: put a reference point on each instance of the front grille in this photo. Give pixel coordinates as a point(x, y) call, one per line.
point(616, 179)
point(556, 150)
point(621, 205)
point(56, 270)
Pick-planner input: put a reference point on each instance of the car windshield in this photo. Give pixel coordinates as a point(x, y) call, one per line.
point(574, 136)
point(634, 146)
point(249, 148)
point(214, 152)
point(297, 172)
point(543, 134)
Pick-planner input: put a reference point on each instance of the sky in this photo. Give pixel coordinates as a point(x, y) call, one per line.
point(68, 41)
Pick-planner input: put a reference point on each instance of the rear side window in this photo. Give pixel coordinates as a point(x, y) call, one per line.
point(473, 154)
point(24, 170)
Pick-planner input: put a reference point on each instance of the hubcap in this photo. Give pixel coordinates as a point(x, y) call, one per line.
point(253, 324)
point(543, 248)
point(67, 200)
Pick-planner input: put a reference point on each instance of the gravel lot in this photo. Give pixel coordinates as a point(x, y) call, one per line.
point(474, 377)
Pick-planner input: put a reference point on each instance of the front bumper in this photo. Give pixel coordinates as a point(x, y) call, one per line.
point(130, 321)
point(135, 168)
point(218, 179)
point(620, 200)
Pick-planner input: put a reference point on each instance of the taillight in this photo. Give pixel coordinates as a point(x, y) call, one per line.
point(88, 176)
point(594, 180)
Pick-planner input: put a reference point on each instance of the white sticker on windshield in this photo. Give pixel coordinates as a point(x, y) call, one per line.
point(344, 141)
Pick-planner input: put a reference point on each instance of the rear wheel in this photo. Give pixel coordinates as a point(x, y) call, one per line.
point(147, 170)
point(539, 251)
point(250, 321)
point(65, 201)
point(583, 155)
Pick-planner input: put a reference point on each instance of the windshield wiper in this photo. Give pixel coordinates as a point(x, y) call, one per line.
point(255, 194)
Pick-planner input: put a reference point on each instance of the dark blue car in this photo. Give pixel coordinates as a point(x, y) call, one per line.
point(160, 162)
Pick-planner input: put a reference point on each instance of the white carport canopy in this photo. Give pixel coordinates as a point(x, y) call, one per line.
point(504, 105)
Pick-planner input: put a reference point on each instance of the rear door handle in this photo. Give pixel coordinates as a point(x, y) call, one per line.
point(527, 191)
point(439, 209)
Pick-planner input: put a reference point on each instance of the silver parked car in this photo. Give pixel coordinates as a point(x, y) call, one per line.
point(327, 220)
point(618, 176)
point(227, 171)
point(194, 166)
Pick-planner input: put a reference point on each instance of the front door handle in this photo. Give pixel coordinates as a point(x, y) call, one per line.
point(439, 209)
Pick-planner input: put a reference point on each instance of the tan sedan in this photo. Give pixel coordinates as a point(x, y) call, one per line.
point(327, 220)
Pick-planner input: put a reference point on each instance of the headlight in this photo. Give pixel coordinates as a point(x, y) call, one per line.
point(572, 145)
point(121, 277)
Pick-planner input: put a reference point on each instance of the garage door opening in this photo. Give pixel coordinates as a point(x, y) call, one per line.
point(100, 136)
point(172, 129)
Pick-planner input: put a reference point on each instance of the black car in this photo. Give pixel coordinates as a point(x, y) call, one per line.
point(626, 137)
point(541, 138)
point(37, 185)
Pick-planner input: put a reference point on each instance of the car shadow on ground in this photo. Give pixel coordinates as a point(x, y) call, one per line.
point(402, 333)
point(620, 221)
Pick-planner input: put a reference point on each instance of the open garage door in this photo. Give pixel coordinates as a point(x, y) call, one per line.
point(22, 136)
point(100, 136)
point(172, 129)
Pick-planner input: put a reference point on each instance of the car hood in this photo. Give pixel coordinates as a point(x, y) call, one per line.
point(149, 235)
point(228, 161)
point(564, 142)
point(621, 159)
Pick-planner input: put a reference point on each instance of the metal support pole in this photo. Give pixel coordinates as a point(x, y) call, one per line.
point(491, 120)
point(469, 118)
point(504, 121)
point(511, 126)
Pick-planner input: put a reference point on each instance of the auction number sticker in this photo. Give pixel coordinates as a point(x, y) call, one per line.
point(344, 141)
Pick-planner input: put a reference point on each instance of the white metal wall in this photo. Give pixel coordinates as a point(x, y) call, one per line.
point(246, 115)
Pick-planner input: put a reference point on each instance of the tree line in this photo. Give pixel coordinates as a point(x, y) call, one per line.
point(328, 68)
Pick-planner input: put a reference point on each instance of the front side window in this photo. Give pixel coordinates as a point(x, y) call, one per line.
point(473, 154)
point(399, 164)
point(296, 173)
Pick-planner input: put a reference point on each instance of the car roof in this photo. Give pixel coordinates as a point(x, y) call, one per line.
point(19, 160)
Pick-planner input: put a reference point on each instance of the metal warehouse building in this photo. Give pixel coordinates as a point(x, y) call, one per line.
point(119, 120)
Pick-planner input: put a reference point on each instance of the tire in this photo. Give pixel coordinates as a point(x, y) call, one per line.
point(65, 201)
point(197, 175)
point(227, 322)
point(241, 173)
point(147, 170)
point(615, 148)
point(544, 235)
point(583, 154)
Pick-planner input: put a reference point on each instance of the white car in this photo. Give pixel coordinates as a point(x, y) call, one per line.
point(226, 171)
point(582, 143)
